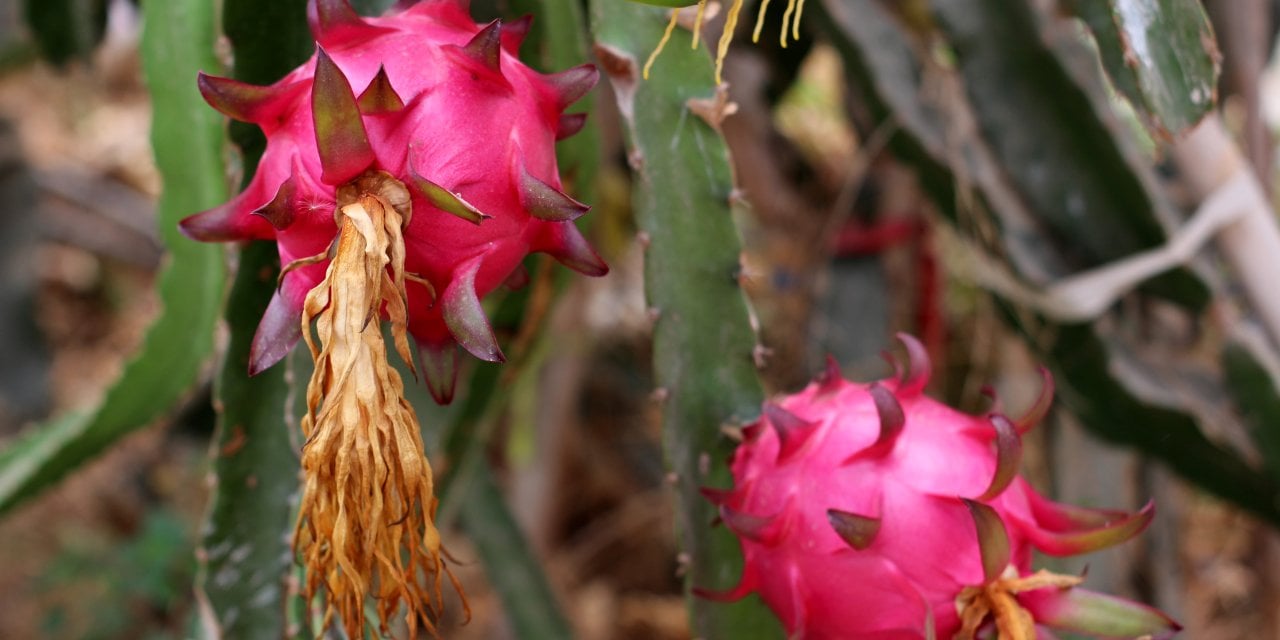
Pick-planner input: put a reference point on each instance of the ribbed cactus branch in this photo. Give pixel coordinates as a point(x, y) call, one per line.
point(245, 556)
point(703, 340)
point(177, 41)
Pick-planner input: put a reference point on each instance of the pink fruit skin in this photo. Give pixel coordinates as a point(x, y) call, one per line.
point(464, 126)
point(926, 549)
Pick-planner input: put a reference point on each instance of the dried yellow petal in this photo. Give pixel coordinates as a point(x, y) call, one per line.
point(365, 526)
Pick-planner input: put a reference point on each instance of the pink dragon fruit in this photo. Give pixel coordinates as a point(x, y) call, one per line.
point(445, 107)
point(872, 511)
point(408, 201)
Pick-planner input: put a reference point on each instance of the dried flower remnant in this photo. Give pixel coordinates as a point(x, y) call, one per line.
point(365, 524)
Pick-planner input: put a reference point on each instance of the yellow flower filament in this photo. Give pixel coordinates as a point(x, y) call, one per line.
point(755, 33)
point(365, 523)
point(790, 17)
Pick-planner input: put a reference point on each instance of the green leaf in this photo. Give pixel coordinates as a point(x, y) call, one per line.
point(187, 137)
point(703, 341)
point(1160, 54)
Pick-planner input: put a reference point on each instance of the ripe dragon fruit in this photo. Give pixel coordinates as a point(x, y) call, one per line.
point(872, 511)
point(412, 200)
point(446, 108)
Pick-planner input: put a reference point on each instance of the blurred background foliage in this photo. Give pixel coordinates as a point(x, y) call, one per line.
point(1082, 183)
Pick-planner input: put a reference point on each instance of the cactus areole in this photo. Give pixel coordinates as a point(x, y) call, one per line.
point(410, 167)
point(873, 511)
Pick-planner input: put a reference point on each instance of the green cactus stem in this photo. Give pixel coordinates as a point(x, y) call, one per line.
point(704, 345)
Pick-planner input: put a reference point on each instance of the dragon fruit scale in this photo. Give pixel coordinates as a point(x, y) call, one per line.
point(873, 511)
point(440, 104)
